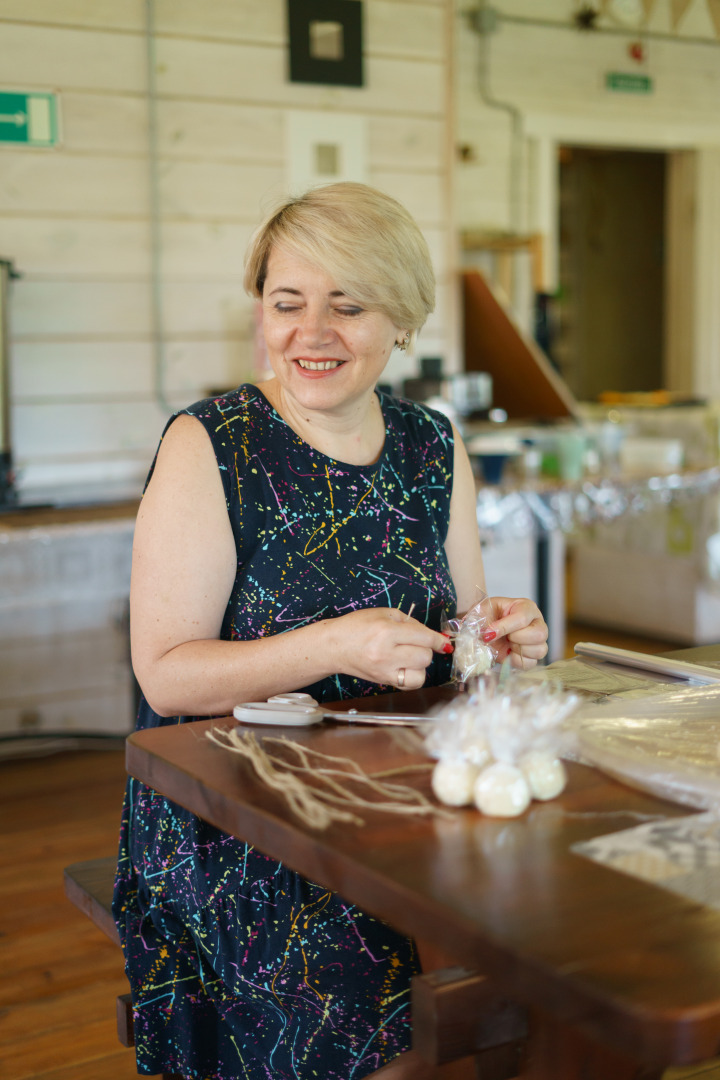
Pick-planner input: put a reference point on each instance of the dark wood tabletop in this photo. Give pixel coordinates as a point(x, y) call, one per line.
point(628, 965)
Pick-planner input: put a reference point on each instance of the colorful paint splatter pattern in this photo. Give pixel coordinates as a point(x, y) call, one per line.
point(239, 967)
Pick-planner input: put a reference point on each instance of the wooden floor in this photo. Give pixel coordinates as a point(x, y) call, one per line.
point(60, 976)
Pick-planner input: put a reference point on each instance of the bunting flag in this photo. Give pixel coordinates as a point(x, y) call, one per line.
point(677, 10)
point(714, 9)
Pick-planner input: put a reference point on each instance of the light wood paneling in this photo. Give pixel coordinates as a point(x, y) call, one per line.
point(421, 193)
point(60, 247)
point(60, 308)
point(115, 188)
point(209, 307)
point(221, 131)
point(209, 190)
point(62, 184)
point(208, 249)
point(101, 14)
point(76, 220)
point(120, 310)
point(233, 72)
point(545, 69)
point(560, 73)
point(227, 132)
point(409, 30)
point(408, 142)
point(414, 31)
point(102, 123)
point(87, 428)
point(81, 369)
point(53, 57)
point(108, 371)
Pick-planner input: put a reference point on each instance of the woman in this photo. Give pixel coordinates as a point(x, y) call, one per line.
point(284, 534)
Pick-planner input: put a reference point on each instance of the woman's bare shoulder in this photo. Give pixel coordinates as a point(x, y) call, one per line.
point(185, 475)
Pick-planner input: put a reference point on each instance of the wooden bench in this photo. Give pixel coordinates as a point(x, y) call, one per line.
point(89, 886)
point(455, 1013)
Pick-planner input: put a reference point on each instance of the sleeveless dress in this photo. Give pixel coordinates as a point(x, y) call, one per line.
point(239, 967)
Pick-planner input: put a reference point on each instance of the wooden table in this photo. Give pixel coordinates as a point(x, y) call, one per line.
point(621, 978)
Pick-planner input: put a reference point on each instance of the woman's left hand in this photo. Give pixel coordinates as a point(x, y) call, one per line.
point(516, 629)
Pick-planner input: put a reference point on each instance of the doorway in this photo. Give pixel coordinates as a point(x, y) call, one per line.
point(610, 317)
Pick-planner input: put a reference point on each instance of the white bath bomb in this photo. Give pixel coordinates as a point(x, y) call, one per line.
point(472, 658)
point(544, 773)
point(484, 660)
point(453, 780)
point(501, 791)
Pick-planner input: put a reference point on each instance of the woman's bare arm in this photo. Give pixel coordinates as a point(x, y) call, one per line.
point(184, 563)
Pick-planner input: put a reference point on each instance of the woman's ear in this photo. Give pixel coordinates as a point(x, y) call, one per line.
point(403, 341)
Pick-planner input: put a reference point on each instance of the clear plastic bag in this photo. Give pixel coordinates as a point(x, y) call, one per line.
point(472, 658)
point(499, 745)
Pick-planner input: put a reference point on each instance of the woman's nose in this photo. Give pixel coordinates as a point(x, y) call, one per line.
point(315, 328)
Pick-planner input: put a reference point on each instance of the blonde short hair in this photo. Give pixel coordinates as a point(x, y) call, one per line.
point(363, 239)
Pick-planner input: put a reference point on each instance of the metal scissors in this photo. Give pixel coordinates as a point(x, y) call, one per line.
point(302, 710)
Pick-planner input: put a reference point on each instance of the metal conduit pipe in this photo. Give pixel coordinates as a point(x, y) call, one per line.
point(484, 21)
point(156, 298)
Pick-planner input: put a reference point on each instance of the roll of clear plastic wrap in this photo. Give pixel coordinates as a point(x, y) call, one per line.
point(667, 744)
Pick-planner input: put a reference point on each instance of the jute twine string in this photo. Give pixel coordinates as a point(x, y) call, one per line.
point(328, 798)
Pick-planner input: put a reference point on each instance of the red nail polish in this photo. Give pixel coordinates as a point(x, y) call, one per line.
point(448, 648)
point(489, 635)
point(509, 652)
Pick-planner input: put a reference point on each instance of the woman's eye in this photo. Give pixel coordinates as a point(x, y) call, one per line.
point(283, 306)
point(349, 310)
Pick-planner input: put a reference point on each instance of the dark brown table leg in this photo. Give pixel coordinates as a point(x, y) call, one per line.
point(556, 1051)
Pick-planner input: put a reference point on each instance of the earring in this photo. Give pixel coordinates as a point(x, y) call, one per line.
point(402, 345)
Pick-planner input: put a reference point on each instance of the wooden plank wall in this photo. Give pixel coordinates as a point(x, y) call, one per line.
point(536, 82)
point(551, 72)
point(76, 219)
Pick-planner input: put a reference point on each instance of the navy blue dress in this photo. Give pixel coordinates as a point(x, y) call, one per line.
point(239, 967)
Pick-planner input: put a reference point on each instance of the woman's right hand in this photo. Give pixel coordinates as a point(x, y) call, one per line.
point(383, 645)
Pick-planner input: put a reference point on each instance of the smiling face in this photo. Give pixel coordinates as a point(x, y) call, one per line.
point(325, 348)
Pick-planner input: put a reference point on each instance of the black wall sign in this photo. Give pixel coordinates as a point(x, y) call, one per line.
point(326, 41)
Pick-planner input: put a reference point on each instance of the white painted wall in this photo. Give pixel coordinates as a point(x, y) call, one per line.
point(76, 219)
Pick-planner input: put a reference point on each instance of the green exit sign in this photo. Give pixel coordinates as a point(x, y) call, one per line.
point(28, 119)
point(625, 83)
